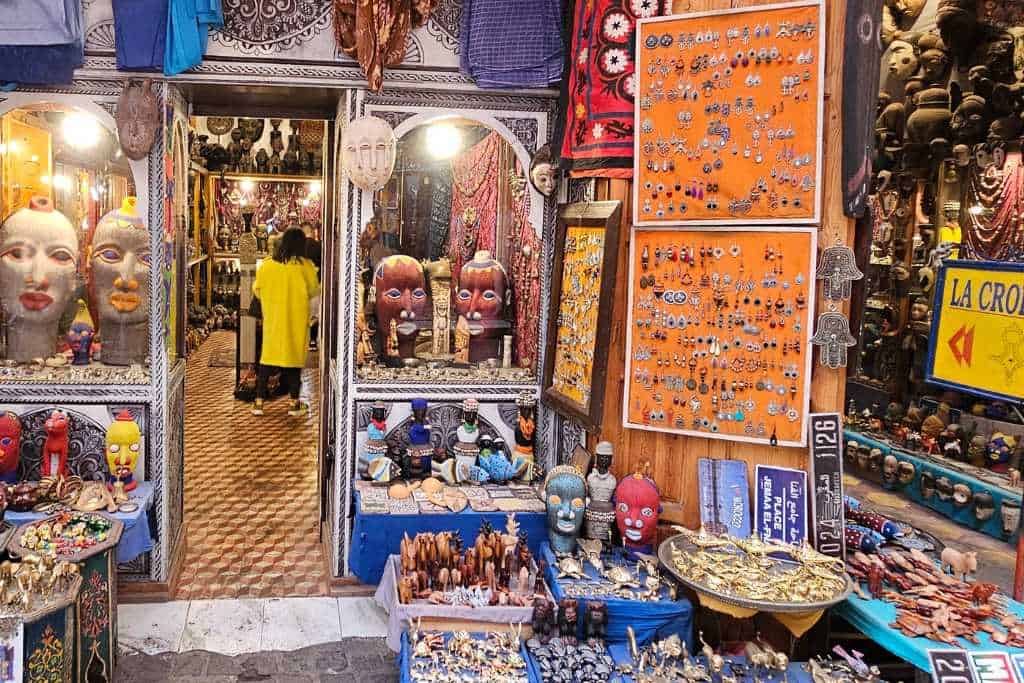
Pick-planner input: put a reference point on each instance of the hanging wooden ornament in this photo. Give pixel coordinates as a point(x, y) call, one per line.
point(138, 119)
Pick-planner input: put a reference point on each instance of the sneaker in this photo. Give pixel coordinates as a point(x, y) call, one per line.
point(257, 407)
point(298, 409)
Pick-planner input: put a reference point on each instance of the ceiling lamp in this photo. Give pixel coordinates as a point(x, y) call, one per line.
point(80, 130)
point(443, 140)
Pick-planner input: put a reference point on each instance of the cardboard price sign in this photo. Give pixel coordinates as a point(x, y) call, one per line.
point(977, 336)
point(729, 116)
point(717, 342)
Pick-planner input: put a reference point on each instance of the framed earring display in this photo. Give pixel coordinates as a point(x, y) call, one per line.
point(579, 321)
point(718, 338)
point(729, 116)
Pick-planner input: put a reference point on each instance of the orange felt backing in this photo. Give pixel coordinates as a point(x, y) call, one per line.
point(717, 140)
point(708, 336)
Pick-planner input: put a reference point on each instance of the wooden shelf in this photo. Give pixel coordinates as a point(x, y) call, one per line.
point(193, 167)
point(264, 177)
point(198, 260)
point(234, 255)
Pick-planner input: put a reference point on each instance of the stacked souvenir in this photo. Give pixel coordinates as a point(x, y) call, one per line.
point(431, 656)
point(66, 535)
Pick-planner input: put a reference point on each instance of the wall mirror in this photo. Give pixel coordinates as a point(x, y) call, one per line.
point(449, 286)
point(74, 250)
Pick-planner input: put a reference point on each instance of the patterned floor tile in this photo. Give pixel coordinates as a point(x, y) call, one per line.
point(251, 500)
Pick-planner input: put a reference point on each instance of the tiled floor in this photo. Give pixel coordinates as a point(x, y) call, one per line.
point(232, 627)
point(251, 495)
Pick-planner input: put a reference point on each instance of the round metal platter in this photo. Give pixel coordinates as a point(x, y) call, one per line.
point(680, 541)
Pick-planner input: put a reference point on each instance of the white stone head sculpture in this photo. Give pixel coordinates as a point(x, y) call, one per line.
point(368, 152)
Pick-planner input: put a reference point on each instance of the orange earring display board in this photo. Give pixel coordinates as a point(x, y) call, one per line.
point(719, 323)
point(729, 116)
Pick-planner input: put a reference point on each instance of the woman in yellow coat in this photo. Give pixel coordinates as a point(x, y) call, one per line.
point(284, 285)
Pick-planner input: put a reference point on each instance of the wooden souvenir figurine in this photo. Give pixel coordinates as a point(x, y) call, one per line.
point(480, 299)
point(401, 304)
point(637, 506)
point(526, 427)
point(601, 486)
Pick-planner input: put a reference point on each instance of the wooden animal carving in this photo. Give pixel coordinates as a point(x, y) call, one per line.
point(958, 563)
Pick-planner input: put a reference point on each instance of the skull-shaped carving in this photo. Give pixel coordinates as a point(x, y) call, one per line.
point(851, 451)
point(984, 506)
point(944, 487)
point(927, 485)
point(905, 472)
point(368, 152)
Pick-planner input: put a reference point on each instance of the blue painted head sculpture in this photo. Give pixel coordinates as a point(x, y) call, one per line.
point(565, 494)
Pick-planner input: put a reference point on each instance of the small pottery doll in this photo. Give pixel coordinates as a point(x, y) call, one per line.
point(10, 446)
point(525, 429)
point(55, 448)
point(38, 277)
point(80, 335)
point(998, 450)
point(565, 495)
point(374, 462)
point(1009, 511)
point(124, 443)
point(420, 449)
point(119, 254)
point(637, 506)
point(601, 485)
point(493, 461)
point(378, 427)
point(466, 448)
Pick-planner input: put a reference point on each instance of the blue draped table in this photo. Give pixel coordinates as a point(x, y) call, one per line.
point(873, 619)
point(650, 620)
point(405, 659)
point(964, 516)
point(135, 539)
point(374, 537)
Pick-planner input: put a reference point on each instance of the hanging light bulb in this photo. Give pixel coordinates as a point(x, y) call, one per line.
point(443, 140)
point(80, 130)
point(976, 210)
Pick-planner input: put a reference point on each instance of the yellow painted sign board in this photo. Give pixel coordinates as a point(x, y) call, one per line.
point(977, 337)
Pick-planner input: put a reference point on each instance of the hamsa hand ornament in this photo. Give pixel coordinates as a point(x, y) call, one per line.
point(837, 269)
point(833, 337)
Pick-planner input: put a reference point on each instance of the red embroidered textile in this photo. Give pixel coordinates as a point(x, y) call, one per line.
point(601, 84)
point(474, 219)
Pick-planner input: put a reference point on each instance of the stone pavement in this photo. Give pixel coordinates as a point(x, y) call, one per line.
point(366, 660)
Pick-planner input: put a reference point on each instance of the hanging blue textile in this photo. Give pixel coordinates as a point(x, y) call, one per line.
point(512, 43)
point(41, 41)
point(140, 31)
point(188, 27)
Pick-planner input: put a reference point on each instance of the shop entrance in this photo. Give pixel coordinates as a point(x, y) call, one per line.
point(252, 483)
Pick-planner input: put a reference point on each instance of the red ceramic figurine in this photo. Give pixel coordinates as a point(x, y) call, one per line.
point(55, 448)
point(10, 447)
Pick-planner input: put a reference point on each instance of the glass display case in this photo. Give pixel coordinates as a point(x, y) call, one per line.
point(74, 252)
point(449, 263)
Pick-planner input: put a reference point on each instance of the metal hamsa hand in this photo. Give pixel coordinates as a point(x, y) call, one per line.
point(833, 337)
point(837, 269)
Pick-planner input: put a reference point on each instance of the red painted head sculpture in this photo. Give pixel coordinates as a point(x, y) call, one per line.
point(637, 505)
point(10, 446)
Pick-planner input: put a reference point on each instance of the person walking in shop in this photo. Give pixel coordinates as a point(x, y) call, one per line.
point(284, 285)
point(314, 251)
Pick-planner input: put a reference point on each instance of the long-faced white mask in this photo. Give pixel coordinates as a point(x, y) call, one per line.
point(38, 264)
point(368, 152)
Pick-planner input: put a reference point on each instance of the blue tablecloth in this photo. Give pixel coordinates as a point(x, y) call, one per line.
point(873, 617)
point(963, 516)
point(405, 657)
point(650, 620)
point(374, 537)
point(135, 539)
point(795, 673)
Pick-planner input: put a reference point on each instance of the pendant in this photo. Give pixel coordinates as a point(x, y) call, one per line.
point(837, 269)
point(833, 337)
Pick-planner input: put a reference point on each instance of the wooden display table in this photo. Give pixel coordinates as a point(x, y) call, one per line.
point(96, 606)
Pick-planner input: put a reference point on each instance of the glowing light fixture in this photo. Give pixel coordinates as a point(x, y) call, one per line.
point(443, 140)
point(976, 210)
point(45, 179)
point(246, 185)
point(315, 188)
point(80, 130)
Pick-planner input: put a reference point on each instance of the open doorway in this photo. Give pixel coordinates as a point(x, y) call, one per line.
point(251, 483)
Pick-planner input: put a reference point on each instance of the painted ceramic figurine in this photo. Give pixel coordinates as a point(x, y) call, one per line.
point(525, 430)
point(374, 462)
point(637, 505)
point(565, 495)
point(119, 255)
point(400, 293)
point(38, 277)
point(55, 448)
point(420, 449)
point(601, 485)
point(999, 449)
point(10, 447)
point(124, 444)
point(466, 448)
point(493, 460)
point(480, 300)
point(80, 335)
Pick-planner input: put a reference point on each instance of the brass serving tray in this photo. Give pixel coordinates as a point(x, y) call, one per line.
point(682, 543)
